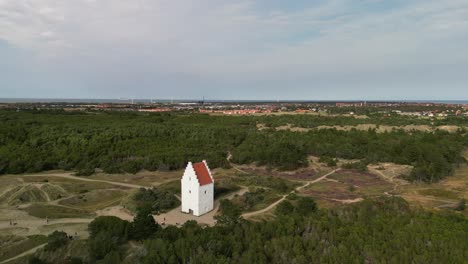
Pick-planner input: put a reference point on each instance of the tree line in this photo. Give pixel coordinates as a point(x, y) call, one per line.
point(383, 230)
point(129, 142)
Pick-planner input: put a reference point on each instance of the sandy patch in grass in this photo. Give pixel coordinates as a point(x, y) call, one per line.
point(445, 194)
point(365, 127)
point(118, 211)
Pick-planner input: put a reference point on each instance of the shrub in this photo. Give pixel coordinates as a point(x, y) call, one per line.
point(461, 205)
point(331, 162)
point(56, 240)
point(143, 226)
point(360, 166)
point(229, 213)
point(284, 208)
point(155, 200)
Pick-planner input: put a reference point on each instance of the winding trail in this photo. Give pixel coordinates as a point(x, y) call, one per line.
point(28, 252)
point(33, 225)
point(228, 158)
point(271, 206)
point(69, 176)
point(397, 183)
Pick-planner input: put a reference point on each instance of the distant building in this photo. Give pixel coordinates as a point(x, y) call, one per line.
point(197, 189)
point(155, 110)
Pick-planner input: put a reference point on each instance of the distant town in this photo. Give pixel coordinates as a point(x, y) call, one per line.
point(417, 109)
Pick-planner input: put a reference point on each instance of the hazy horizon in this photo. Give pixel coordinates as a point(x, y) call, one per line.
point(178, 100)
point(238, 50)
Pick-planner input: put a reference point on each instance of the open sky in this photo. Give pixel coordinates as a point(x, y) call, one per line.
point(235, 49)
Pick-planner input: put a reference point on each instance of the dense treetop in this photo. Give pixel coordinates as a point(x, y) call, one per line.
point(384, 230)
point(116, 141)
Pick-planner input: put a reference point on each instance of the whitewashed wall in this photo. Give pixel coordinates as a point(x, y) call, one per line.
point(189, 189)
point(206, 197)
point(194, 197)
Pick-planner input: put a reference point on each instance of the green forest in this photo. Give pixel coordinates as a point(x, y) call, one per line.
point(34, 141)
point(384, 230)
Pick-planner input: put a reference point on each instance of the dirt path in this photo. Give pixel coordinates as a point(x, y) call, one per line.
point(348, 201)
point(398, 183)
point(117, 211)
point(13, 195)
point(228, 158)
point(69, 176)
point(271, 206)
point(33, 226)
point(418, 197)
point(391, 177)
point(31, 251)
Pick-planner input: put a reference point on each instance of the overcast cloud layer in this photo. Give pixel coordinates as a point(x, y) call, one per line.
point(226, 49)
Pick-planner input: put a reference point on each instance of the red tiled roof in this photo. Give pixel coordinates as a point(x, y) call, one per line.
point(202, 173)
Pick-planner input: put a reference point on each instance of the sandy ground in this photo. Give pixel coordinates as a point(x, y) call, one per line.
point(177, 217)
point(391, 173)
point(18, 222)
point(365, 127)
point(32, 226)
point(349, 201)
point(117, 211)
point(24, 224)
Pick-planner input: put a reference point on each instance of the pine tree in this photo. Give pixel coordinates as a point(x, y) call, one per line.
point(143, 226)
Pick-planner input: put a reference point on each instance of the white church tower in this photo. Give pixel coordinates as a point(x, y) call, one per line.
point(197, 189)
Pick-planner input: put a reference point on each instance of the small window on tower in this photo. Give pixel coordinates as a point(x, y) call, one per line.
point(190, 178)
point(189, 191)
point(205, 192)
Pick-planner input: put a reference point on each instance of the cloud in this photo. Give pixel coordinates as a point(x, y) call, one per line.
point(104, 44)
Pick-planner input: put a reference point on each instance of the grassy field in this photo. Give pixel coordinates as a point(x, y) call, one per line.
point(6, 183)
point(11, 246)
point(53, 191)
point(80, 228)
point(32, 193)
point(54, 211)
point(346, 186)
point(278, 184)
point(74, 248)
point(22, 194)
point(144, 178)
point(445, 194)
point(171, 186)
point(95, 200)
point(442, 193)
point(225, 186)
point(256, 199)
point(81, 199)
point(311, 172)
point(363, 183)
point(70, 185)
point(327, 193)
